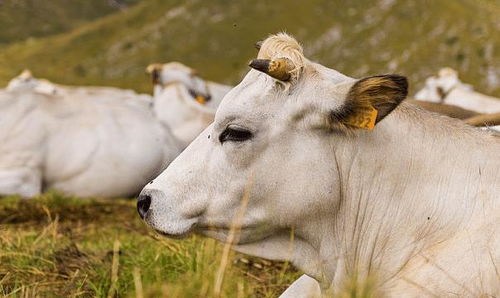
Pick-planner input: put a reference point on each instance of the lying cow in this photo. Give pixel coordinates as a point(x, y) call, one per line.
point(183, 100)
point(447, 88)
point(81, 145)
point(27, 82)
point(340, 177)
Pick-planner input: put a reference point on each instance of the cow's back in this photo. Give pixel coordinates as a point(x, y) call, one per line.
point(22, 129)
point(110, 143)
point(83, 144)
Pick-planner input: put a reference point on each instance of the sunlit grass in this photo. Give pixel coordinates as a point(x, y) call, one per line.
point(61, 246)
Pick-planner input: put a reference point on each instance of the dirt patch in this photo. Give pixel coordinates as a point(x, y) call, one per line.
point(70, 259)
point(42, 211)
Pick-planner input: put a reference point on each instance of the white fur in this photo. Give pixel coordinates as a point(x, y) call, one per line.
point(27, 82)
point(90, 146)
point(456, 93)
point(178, 109)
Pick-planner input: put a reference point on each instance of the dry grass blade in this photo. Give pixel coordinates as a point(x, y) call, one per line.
point(20, 254)
point(231, 238)
point(139, 293)
point(114, 269)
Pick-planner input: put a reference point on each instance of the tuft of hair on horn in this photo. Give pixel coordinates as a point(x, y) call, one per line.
point(26, 74)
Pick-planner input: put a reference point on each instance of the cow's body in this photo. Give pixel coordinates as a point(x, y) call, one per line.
point(412, 204)
point(90, 146)
point(27, 82)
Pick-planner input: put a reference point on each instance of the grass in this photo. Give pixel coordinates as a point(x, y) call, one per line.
point(55, 246)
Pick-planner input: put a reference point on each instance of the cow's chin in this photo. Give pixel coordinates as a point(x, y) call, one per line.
point(177, 230)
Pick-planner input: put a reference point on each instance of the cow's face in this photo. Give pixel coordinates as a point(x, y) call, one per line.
point(437, 88)
point(268, 162)
point(26, 82)
point(163, 75)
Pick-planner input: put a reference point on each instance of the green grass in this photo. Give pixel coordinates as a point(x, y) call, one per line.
point(57, 246)
point(359, 38)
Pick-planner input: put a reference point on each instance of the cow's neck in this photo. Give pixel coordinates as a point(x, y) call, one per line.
point(408, 185)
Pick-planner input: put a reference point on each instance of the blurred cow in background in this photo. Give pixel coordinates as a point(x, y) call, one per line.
point(183, 100)
point(27, 82)
point(89, 146)
point(447, 88)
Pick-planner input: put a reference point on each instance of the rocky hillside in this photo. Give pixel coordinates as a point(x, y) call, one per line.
point(358, 38)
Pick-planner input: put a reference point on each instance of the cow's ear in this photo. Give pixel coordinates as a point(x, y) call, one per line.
point(371, 99)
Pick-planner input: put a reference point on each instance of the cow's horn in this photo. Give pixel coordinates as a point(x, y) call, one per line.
point(258, 44)
point(154, 70)
point(279, 68)
point(153, 67)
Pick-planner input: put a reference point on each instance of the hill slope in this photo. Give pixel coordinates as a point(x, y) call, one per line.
point(21, 19)
point(358, 38)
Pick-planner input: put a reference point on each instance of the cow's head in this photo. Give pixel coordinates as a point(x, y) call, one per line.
point(437, 88)
point(163, 75)
point(25, 81)
point(273, 153)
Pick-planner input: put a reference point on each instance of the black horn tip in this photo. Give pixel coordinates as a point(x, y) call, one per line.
point(258, 44)
point(260, 64)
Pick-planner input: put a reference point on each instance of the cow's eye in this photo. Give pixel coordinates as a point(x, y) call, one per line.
point(235, 134)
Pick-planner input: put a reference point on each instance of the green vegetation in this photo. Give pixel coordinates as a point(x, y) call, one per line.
point(415, 38)
point(56, 246)
point(21, 19)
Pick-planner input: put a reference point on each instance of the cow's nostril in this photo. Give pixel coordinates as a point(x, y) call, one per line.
point(143, 204)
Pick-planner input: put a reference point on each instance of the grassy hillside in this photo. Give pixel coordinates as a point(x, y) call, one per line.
point(363, 37)
point(21, 19)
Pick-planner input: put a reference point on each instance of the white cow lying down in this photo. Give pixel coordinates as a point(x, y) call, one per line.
point(413, 201)
point(183, 100)
point(447, 88)
point(27, 82)
point(90, 146)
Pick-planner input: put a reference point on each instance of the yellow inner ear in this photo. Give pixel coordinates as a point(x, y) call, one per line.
point(363, 118)
point(200, 99)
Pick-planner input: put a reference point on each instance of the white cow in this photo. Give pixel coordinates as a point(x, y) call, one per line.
point(335, 175)
point(27, 82)
point(447, 88)
point(79, 144)
point(183, 100)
